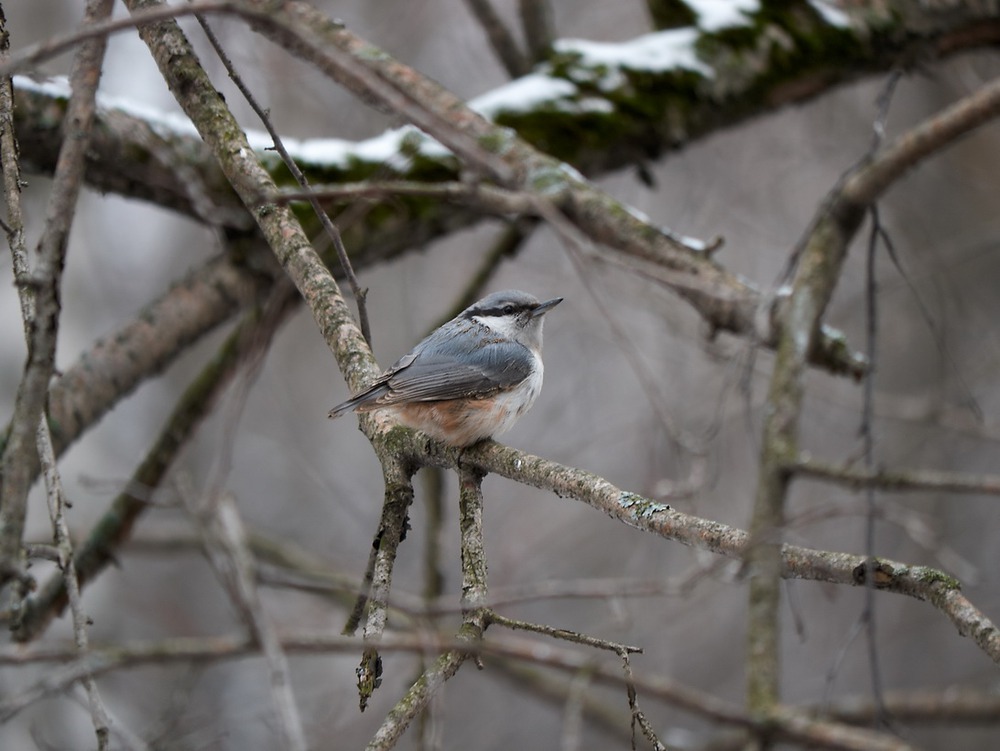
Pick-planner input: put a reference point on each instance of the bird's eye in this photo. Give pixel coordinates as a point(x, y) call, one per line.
point(508, 310)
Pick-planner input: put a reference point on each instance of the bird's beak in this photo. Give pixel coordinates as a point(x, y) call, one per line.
point(545, 307)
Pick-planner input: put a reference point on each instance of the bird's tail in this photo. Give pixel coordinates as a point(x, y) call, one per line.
point(344, 407)
point(360, 401)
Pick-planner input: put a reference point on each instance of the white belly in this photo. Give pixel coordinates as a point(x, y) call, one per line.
point(517, 401)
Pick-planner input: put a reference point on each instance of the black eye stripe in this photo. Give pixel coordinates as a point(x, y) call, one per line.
point(503, 310)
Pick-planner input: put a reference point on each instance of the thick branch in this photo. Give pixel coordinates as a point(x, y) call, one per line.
point(98, 549)
point(817, 272)
point(162, 162)
point(722, 297)
point(811, 38)
point(117, 364)
point(202, 103)
point(474, 621)
point(922, 583)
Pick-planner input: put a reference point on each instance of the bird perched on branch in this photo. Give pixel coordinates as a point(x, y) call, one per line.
point(470, 379)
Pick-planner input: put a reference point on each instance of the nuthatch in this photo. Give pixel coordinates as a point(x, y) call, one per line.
point(470, 379)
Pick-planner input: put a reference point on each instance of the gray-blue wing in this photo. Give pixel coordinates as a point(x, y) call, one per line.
point(439, 368)
point(446, 371)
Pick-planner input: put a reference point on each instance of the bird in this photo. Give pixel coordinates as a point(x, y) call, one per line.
point(471, 378)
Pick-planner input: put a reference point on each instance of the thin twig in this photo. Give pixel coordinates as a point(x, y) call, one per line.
point(227, 549)
point(39, 304)
point(638, 716)
point(57, 512)
point(784, 723)
point(969, 401)
point(897, 480)
point(501, 39)
point(563, 634)
point(364, 591)
point(868, 439)
point(538, 26)
point(331, 230)
point(45, 283)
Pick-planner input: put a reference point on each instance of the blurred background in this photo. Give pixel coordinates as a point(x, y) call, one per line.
point(316, 486)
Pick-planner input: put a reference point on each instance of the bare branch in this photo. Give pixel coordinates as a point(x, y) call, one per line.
point(898, 480)
point(562, 634)
point(115, 526)
point(202, 103)
point(227, 548)
point(817, 272)
point(331, 230)
point(539, 30)
point(474, 623)
point(57, 512)
point(920, 582)
point(45, 284)
point(890, 163)
point(785, 722)
point(500, 37)
point(398, 479)
point(117, 364)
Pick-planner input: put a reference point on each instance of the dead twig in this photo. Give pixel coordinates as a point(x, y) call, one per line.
point(227, 548)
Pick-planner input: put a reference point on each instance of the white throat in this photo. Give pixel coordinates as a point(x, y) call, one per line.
point(509, 327)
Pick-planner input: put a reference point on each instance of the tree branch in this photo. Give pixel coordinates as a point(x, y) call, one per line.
point(817, 271)
point(500, 37)
point(99, 548)
point(474, 621)
point(796, 562)
point(785, 723)
point(897, 480)
point(226, 546)
point(45, 283)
